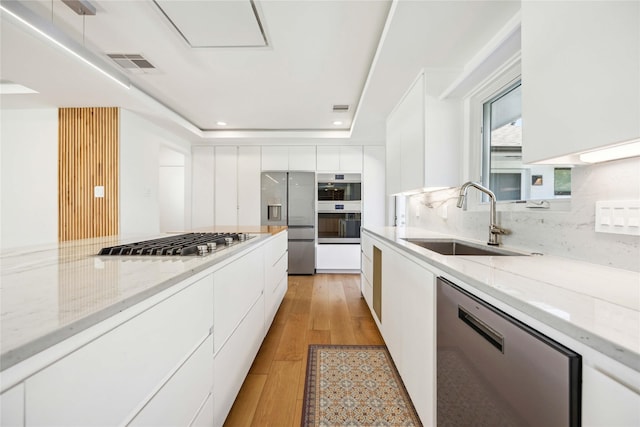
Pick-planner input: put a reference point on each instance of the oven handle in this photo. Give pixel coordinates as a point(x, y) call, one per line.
point(339, 211)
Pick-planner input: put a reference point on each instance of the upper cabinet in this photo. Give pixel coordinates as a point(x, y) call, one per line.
point(580, 76)
point(347, 158)
point(289, 158)
point(423, 141)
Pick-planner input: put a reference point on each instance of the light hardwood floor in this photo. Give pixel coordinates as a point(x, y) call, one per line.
point(320, 309)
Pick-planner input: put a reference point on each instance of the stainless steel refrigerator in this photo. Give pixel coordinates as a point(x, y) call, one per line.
point(289, 198)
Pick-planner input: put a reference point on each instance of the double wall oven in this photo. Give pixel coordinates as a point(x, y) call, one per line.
point(339, 208)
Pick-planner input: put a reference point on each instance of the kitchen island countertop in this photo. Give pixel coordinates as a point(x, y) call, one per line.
point(596, 305)
point(50, 292)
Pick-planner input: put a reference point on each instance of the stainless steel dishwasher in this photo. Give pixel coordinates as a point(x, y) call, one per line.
point(493, 370)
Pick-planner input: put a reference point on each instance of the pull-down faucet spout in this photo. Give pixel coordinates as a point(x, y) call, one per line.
point(494, 229)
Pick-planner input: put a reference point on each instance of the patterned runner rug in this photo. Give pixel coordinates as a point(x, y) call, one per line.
point(354, 385)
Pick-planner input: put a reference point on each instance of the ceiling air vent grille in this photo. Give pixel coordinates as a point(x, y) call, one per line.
point(340, 108)
point(132, 62)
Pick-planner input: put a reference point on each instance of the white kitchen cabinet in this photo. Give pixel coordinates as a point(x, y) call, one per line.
point(275, 265)
point(190, 384)
point(580, 76)
point(408, 324)
point(423, 141)
point(226, 186)
point(237, 287)
point(289, 158)
point(344, 158)
point(338, 257)
point(12, 407)
point(106, 381)
point(302, 158)
point(202, 185)
point(373, 184)
point(606, 402)
point(275, 158)
point(248, 185)
point(204, 418)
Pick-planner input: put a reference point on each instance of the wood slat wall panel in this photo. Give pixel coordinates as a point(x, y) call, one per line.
point(88, 150)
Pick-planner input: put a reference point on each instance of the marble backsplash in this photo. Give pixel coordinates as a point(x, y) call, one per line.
point(568, 231)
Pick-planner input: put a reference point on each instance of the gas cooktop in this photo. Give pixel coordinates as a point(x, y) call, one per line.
point(180, 244)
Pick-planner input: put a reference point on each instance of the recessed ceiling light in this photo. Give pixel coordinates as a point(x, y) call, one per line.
point(337, 123)
point(221, 123)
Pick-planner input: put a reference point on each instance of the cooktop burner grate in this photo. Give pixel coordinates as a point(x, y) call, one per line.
point(182, 244)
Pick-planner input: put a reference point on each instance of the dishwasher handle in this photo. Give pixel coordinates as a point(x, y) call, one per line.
point(484, 330)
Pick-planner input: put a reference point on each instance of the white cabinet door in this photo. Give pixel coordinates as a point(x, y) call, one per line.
point(328, 158)
point(408, 326)
point(226, 193)
point(275, 265)
point(275, 158)
point(373, 194)
point(248, 185)
point(302, 158)
point(237, 287)
point(12, 407)
point(338, 257)
point(423, 141)
point(202, 186)
point(339, 158)
point(191, 384)
point(205, 416)
point(606, 402)
point(351, 158)
point(580, 74)
point(104, 382)
point(233, 361)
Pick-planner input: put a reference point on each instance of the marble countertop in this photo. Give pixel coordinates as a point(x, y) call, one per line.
point(49, 293)
point(596, 305)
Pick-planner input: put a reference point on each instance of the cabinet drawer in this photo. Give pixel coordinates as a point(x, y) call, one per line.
point(231, 364)
point(367, 291)
point(12, 407)
point(273, 301)
point(275, 248)
point(275, 273)
point(367, 268)
point(205, 416)
point(104, 382)
point(179, 400)
point(236, 288)
point(367, 245)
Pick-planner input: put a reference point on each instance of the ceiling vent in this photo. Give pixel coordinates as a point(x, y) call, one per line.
point(340, 108)
point(132, 62)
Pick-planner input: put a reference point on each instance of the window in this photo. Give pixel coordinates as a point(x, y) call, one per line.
point(502, 169)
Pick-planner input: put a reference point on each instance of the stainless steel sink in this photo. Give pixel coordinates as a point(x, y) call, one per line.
point(456, 247)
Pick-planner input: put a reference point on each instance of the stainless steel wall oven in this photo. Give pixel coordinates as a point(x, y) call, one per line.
point(339, 208)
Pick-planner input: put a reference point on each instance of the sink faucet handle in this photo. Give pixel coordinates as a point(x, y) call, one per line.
point(498, 230)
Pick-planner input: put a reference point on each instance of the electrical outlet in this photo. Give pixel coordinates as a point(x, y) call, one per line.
point(618, 217)
point(98, 191)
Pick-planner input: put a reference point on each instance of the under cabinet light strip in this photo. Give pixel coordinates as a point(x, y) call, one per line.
point(64, 47)
point(620, 151)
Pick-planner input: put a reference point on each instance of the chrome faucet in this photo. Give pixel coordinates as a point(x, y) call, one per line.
point(494, 229)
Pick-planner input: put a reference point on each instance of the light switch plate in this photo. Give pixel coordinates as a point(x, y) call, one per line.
point(618, 217)
point(98, 191)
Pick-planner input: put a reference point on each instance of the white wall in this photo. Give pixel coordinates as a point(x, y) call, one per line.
point(141, 142)
point(29, 177)
point(569, 233)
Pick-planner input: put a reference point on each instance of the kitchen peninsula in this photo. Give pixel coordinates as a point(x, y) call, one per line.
point(79, 330)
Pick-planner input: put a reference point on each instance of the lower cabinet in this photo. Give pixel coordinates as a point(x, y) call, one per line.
point(179, 360)
point(232, 363)
point(407, 313)
point(109, 380)
point(190, 385)
point(12, 407)
point(338, 257)
point(606, 401)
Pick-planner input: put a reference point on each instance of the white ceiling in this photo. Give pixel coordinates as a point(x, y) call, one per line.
point(364, 53)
